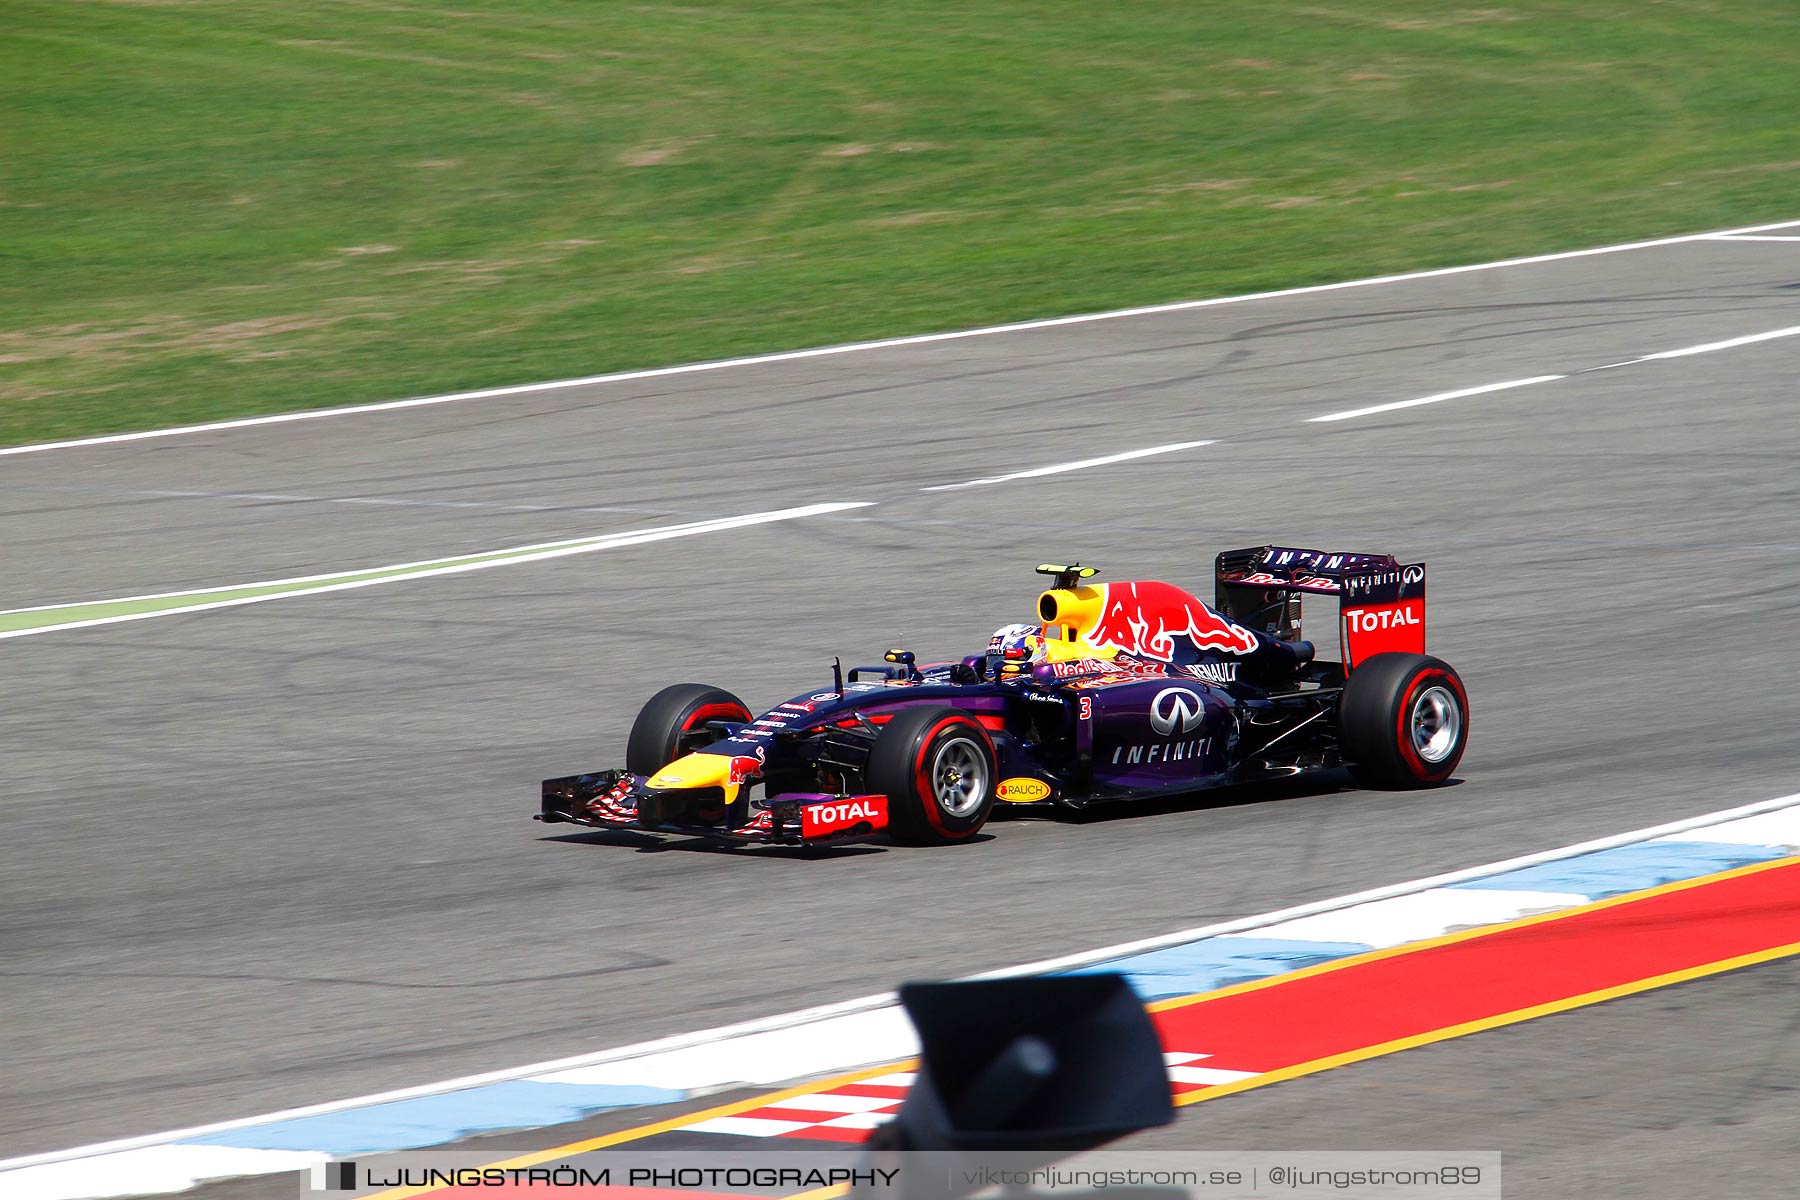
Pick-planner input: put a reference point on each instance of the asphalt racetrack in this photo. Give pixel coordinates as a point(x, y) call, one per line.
point(273, 855)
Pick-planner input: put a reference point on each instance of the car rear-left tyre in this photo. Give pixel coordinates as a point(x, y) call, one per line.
point(1403, 721)
point(673, 723)
point(938, 770)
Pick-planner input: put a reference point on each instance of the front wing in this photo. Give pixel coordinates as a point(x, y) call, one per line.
point(610, 800)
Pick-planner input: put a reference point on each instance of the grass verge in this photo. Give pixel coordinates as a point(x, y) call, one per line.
point(214, 208)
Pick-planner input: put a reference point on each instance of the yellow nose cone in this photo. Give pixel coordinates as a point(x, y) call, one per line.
point(696, 771)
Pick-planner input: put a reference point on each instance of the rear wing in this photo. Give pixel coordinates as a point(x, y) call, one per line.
point(1381, 600)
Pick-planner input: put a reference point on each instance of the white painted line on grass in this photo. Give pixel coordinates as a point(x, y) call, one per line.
point(869, 1004)
point(1060, 468)
point(146, 606)
point(1438, 397)
point(922, 339)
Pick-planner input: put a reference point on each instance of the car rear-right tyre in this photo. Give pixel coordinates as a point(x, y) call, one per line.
point(937, 768)
point(1403, 721)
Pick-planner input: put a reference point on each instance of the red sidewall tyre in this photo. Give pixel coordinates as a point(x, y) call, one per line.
point(665, 726)
point(1392, 701)
point(904, 763)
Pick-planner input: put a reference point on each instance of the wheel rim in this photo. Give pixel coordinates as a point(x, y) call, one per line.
point(1436, 724)
point(959, 777)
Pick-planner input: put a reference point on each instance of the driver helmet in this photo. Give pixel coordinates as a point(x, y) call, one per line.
point(1014, 648)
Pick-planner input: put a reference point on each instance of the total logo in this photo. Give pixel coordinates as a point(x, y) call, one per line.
point(837, 816)
point(1373, 620)
point(850, 810)
point(1176, 710)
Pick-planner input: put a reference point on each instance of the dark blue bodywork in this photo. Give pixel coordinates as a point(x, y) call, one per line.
point(1161, 694)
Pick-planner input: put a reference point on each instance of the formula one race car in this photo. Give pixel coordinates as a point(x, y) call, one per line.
point(1121, 691)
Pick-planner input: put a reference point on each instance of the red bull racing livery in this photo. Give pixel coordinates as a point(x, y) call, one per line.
point(1119, 691)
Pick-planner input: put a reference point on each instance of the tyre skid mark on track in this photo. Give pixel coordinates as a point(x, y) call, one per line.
point(27, 622)
point(1749, 339)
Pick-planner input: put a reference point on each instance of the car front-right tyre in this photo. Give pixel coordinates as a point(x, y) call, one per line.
point(673, 723)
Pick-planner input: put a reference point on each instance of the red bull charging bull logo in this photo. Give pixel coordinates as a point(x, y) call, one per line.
point(1146, 618)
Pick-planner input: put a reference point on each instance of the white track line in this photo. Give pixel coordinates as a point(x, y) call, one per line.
point(520, 554)
point(1060, 468)
point(517, 554)
point(882, 343)
point(866, 1003)
point(1684, 352)
point(1458, 394)
point(1748, 237)
point(1727, 344)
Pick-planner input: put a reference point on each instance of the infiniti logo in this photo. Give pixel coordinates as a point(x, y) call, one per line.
point(1412, 575)
point(1175, 709)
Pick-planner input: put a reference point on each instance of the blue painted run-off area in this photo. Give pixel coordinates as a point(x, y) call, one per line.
point(1195, 968)
point(1219, 962)
point(435, 1120)
point(1628, 868)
